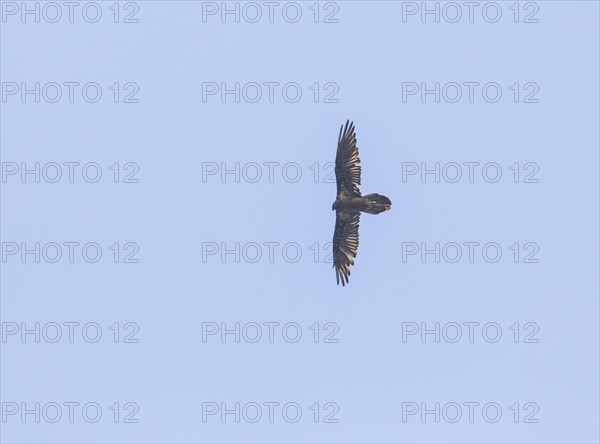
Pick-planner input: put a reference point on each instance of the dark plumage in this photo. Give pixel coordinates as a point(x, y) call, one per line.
point(349, 203)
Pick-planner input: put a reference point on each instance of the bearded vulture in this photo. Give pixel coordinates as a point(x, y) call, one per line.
point(349, 203)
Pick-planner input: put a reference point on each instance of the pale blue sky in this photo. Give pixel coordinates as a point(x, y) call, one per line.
point(171, 214)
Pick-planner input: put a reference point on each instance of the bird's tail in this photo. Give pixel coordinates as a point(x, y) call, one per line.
point(376, 203)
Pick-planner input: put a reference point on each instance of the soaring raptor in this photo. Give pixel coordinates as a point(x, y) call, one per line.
point(349, 203)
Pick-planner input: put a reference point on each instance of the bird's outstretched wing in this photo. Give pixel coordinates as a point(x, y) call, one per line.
point(347, 168)
point(345, 243)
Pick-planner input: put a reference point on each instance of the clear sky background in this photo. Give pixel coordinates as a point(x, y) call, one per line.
point(376, 373)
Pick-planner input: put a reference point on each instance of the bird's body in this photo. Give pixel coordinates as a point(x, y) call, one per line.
point(371, 203)
point(349, 203)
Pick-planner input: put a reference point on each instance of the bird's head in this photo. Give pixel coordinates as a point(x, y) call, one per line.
point(333, 206)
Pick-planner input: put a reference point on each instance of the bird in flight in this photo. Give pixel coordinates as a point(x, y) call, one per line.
point(349, 203)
